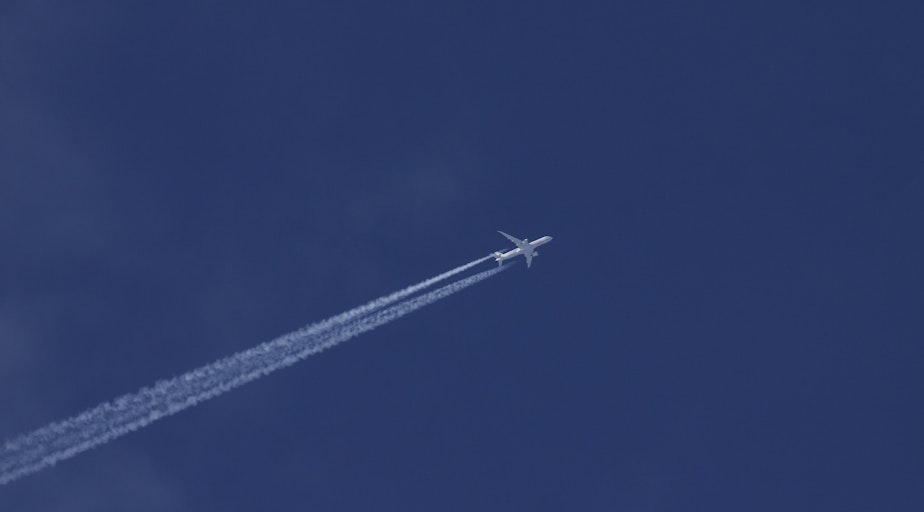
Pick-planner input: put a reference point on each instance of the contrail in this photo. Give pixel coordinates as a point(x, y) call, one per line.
point(48, 445)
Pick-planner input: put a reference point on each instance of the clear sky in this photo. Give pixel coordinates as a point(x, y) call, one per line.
point(729, 317)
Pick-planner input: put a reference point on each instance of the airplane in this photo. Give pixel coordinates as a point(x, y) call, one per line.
point(524, 247)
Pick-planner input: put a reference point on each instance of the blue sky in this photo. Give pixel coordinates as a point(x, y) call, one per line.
point(728, 318)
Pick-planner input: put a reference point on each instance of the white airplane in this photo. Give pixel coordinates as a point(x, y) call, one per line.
point(524, 247)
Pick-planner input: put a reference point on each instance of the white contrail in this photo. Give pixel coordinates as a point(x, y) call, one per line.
point(59, 441)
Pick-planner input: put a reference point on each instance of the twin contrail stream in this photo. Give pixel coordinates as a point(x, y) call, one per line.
point(46, 446)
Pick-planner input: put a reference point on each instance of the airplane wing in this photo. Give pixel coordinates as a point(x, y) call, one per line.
point(529, 258)
point(515, 240)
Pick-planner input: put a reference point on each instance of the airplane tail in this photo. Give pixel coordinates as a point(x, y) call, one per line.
point(497, 258)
